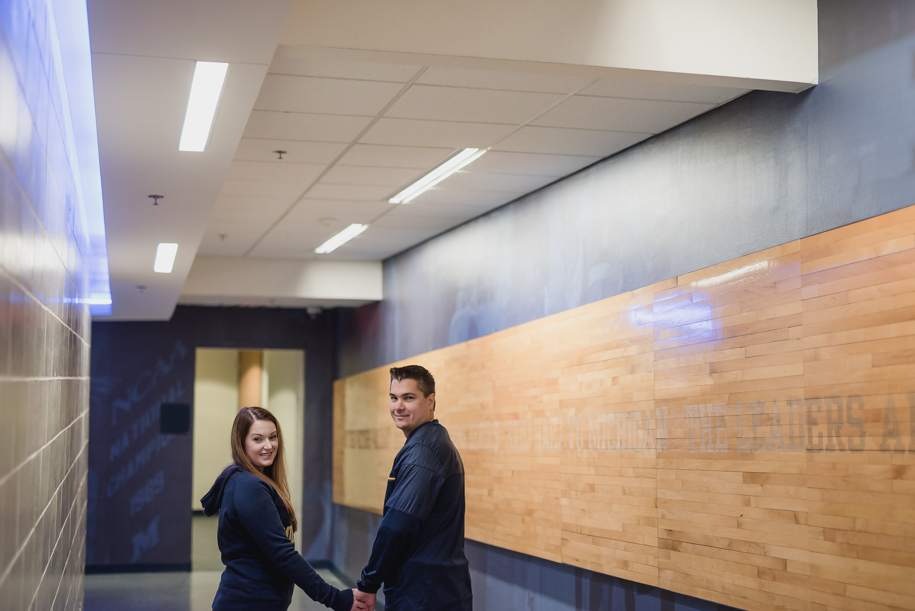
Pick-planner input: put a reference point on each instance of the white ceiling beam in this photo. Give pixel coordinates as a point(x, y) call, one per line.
point(750, 44)
point(282, 282)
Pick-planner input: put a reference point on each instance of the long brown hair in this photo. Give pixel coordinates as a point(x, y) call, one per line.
point(275, 474)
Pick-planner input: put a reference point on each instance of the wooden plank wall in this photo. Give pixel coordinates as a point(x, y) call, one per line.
point(744, 433)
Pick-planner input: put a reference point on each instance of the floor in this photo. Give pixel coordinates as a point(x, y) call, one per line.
point(204, 552)
point(192, 591)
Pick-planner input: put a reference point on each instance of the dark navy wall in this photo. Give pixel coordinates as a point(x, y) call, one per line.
point(762, 170)
point(139, 480)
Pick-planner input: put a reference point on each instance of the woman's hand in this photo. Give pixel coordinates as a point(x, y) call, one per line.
point(363, 601)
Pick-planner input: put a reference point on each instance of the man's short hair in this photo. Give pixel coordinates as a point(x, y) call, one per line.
point(424, 380)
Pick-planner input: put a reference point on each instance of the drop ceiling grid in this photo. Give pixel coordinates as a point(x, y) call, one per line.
point(671, 92)
point(540, 128)
point(394, 156)
point(262, 149)
point(307, 211)
point(505, 81)
point(468, 105)
point(620, 114)
point(239, 237)
point(325, 96)
point(288, 171)
point(369, 175)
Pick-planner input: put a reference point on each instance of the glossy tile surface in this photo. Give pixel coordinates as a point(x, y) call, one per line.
point(44, 331)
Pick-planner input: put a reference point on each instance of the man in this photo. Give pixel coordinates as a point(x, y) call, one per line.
point(419, 550)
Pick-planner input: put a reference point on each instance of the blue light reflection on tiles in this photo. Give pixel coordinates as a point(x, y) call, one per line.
point(76, 72)
point(44, 329)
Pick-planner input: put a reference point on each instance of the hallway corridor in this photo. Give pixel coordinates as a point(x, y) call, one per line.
point(192, 591)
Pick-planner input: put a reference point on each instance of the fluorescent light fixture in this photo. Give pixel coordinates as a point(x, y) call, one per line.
point(165, 258)
point(201, 108)
point(437, 175)
point(341, 238)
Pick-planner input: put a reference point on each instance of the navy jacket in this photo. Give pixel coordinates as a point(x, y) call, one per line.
point(419, 549)
point(254, 538)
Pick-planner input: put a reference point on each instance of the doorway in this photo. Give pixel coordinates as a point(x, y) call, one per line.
point(273, 379)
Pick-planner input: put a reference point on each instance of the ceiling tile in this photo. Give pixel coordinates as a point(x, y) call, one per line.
point(260, 188)
point(555, 140)
point(261, 252)
point(455, 213)
point(351, 192)
point(294, 242)
point(239, 229)
point(506, 183)
point(363, 71)
point(358, 175)
point(301, 126)
point(256, 216)
point(508, 81)
point(395, 156)
point(405, 220)
point(618, 114)
point(324, 95)
point(261, 149)
point(239, 235)
point(331, 211)
point(286, 236)
point(471, 105)
point(301, 174)
point(483, 200)
point(500, 162)
point(385, 241)
point(212, 246)
point(302, 251)
point(676, 92)
point(244, 202)
point(453, 135)
point(286, 249)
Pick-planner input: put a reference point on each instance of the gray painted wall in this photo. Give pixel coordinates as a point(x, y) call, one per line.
point(763, 170)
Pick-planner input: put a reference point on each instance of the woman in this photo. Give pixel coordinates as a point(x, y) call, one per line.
point(256, 526)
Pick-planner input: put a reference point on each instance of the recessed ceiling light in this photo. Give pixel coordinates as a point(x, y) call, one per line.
point(452, 165)
point(165, 258)
point(341, 238)
point(201, 107)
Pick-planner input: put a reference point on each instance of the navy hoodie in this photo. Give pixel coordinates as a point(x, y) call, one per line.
point(254, 538)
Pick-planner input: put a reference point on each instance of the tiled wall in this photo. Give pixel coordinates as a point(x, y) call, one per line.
point(44, 330)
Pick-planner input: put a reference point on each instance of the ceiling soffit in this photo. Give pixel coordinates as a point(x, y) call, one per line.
point(356, 125)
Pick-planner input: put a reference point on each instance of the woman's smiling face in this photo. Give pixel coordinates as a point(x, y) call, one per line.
point(262, 444)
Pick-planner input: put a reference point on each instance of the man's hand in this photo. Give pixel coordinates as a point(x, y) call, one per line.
point(358, 605)
point(365, 599)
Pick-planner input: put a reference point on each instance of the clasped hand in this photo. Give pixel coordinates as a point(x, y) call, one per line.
point(363, 601)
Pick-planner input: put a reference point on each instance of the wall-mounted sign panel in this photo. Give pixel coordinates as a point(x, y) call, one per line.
point(744, 433)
